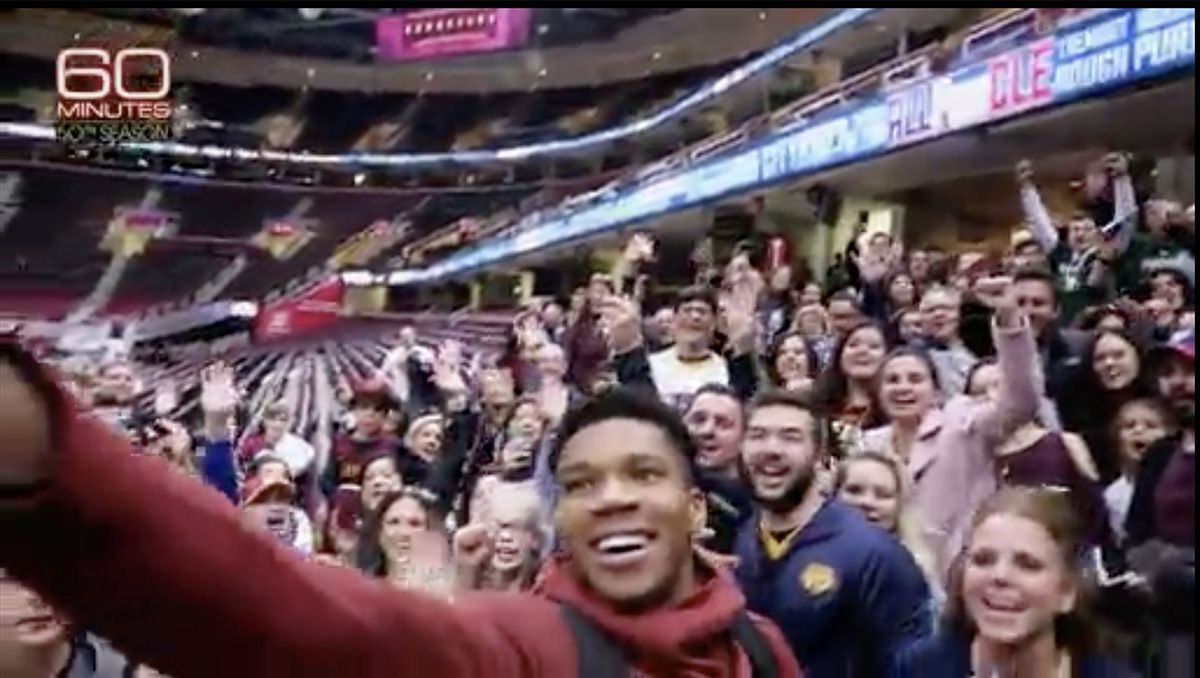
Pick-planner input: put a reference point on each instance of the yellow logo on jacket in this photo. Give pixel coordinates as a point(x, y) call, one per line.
point(818, 578)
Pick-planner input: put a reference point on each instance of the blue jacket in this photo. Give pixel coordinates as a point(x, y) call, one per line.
point(846, 595)
point(948, 655)
point(217, 467)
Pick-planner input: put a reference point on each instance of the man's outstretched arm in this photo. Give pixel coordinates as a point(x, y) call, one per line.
point(163, 566)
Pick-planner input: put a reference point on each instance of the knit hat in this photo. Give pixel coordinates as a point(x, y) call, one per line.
point(419, 422)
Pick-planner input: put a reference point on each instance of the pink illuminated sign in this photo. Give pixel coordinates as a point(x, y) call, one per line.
point(446, 32)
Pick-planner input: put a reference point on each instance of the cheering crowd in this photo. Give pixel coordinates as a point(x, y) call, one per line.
point(932, 465)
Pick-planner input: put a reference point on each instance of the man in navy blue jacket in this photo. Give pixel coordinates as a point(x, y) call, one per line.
point(846, 594)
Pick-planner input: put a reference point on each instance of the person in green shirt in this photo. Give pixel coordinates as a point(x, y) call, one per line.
point(1083, 263)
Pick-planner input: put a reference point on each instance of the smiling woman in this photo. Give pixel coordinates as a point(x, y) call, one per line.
point(1018, 606)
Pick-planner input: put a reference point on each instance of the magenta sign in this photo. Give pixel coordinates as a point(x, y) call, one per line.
point(445, 32)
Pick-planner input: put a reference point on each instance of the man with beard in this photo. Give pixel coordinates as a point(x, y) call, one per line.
point(1161, 524)
point(116, 390)
point(1165, 483)
point(847, 595)
point(166, 568)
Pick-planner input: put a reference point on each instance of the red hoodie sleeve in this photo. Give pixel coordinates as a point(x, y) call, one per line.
point(163, 566)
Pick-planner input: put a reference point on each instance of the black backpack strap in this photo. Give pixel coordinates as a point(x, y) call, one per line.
point(755, 645)
point(599, 656)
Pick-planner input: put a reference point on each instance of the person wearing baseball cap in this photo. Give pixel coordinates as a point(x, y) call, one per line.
point(266, 502)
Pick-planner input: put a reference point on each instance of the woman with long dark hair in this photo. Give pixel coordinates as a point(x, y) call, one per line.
point(404, 541)
point(844, 389)
point(1110, 374)
point(791, 362)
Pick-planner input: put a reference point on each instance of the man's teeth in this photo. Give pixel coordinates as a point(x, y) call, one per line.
point(622, 543)
point(773, 470)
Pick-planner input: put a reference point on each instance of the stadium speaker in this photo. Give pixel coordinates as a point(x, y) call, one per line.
point(826, 203)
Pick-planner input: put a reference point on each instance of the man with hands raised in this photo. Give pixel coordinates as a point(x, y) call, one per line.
point(679, 371)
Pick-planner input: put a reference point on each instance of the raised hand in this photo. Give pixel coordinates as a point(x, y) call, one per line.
point(531, 334)
point(218, 392)
point(639, 248)
point(621, 322)
point(871, 268)
point(166, 397)
point(1117, 164)
point(447, 369)
point(471, 549)
point(999, 294)
point(739, 318)
point(1024, 171)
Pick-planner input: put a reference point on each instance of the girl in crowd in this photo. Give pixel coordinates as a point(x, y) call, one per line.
point(380, 477)
point(876, 485)
point(554, 396)
point(1037, 455)
point(276, 439)
point(813, 324)
point(1139, 425)
point(1111, 374)
point(521, 462)
point(422, 446)
point(949, 450)
point(810, 295)
point(1018, 607)
point(791, 362)
point(405, 542)
point(901, 292)
point(907, 328)
point(844, 389)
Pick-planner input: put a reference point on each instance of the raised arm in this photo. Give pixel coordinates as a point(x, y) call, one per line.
point(1125, 207)
point(1040, 224)
point(1020, 375)
point(164, 567)
point(623, 332)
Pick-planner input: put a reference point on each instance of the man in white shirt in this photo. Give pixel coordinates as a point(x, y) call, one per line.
point(679, 371)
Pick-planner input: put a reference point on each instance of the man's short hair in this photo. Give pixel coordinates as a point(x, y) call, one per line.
point(781, 398)
point(720, 390)
point(625, 403)
point(701, 293)
point(844, 294)
point(1037, 274)
point(944, 290)
point(276, 410)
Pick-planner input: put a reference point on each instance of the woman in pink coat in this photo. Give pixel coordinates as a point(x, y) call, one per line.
point(948, 449)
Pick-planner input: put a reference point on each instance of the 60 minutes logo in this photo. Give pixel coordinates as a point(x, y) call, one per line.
point(111, 96)
point(110, 72)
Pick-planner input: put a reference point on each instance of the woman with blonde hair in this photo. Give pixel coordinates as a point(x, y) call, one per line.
point(878, 485)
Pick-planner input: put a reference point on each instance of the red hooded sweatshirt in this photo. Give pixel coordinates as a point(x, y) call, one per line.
point(162, 565)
